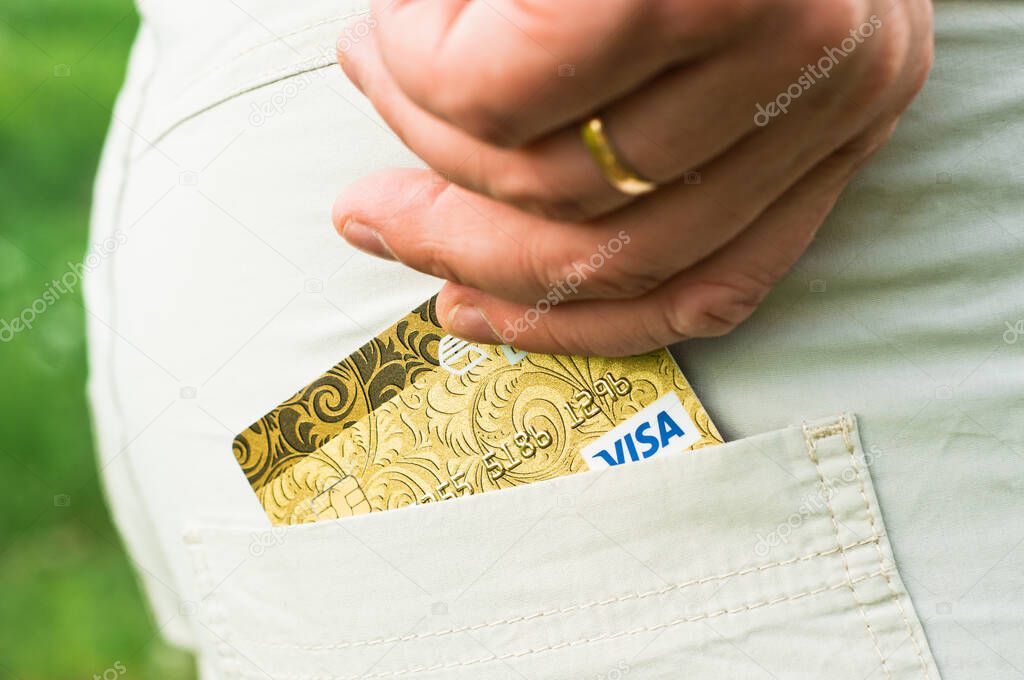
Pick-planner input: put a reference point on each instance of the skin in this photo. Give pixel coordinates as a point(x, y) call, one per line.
point(491, 94)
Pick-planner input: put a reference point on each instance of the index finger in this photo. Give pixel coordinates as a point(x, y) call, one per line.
point(508, 71)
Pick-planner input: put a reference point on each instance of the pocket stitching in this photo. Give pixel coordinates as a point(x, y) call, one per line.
point(897, 600)
point(811, 437)
point(845, 583)
point(563, 610)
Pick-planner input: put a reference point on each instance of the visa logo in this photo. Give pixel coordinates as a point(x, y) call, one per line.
point(660, 428)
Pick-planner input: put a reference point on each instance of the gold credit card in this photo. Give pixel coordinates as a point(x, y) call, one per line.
point(348, 391)
point(491, 417)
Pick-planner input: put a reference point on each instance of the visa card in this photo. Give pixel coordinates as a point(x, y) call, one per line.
point(487, 418)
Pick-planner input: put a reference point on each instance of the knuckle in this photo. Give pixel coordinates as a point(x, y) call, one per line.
point(653, 333)
point(922, 67)
point(827, 23)
point(682, 20)
point(715, 308)
point(915, 59)
point(886, 66)
point(924, 58)
point(697, 323)
point(859, 149)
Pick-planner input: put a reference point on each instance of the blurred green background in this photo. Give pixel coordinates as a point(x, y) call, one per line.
point(70, 606)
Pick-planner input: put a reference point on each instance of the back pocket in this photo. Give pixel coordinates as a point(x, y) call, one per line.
point(763, 557)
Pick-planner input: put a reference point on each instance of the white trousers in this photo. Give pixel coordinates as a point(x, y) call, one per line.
point(815, 544)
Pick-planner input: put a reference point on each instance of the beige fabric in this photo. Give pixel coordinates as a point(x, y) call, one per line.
point(230, 140)
point(763, 557)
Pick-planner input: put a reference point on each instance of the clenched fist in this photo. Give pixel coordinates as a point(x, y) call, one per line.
point(610, 177)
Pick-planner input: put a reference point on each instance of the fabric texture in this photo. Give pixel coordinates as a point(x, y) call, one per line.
point(232, 135)
point(642, 571)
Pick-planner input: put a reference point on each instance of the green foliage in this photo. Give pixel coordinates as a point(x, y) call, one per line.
point(70, 605)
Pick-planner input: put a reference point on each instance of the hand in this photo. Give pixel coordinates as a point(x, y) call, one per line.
point(750, 116)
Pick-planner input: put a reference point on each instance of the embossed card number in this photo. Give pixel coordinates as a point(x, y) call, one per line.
point(497, 463)
point(586, 406)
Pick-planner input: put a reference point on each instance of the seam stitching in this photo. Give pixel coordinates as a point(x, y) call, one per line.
point(810, 438)
point(296, 66)
point(554, 612)
point(308, 66)
point(277, 39)
point(845, 583)
point(897, 600)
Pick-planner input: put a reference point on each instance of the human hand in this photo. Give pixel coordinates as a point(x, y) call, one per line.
point(749, 116)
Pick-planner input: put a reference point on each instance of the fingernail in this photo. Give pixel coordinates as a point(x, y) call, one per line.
point(367, 239)
point(470, 323)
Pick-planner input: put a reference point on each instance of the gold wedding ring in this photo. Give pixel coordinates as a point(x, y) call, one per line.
point(617, 172)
